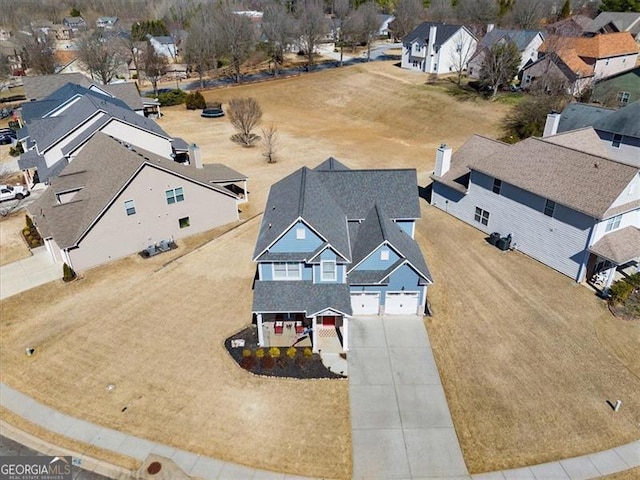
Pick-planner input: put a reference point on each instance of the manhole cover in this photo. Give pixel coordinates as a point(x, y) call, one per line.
point(154, 467)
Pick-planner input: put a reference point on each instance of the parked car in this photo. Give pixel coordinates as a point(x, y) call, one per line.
point(9, 192)
point(5, 112)
point(7, 136)
point(212, 112)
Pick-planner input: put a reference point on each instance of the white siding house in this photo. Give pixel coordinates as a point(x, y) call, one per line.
point(438, 48)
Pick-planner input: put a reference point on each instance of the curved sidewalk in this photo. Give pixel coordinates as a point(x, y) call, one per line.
point(400, 420)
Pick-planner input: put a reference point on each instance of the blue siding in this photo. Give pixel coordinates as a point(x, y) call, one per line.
point(373, 262)
point(307, 272)
point(289, 243)
point(407, 226)
point(404, 276)
point(266, 272)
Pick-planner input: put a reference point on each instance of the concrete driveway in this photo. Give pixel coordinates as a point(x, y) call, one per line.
point(25, 274)
point(400, 421)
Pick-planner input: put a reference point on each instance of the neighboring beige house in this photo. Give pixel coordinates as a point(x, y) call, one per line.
point(582, 60)
point(113, 201)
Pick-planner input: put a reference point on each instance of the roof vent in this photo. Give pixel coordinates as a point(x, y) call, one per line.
point(596, 164)
point(273, 208)
point(269, 225)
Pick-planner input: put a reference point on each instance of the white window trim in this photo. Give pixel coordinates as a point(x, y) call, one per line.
point(126, 208)
point(613, 223)
point(288, 274)
point(323, 277)
point(617, 140)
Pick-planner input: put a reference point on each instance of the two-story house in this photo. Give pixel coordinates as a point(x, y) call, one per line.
point(106, 22)
point(438, 48)
point(164, 45)
point(527, 42)
point(610, 22)
point(115, 200)
point(579, 61)
point(58, 126)
point(618, 130)
point(334, 243)
point(576, 212)
point(618, 90)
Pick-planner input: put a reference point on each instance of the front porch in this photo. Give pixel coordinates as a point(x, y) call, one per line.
point(613, 257)
point(325, 333)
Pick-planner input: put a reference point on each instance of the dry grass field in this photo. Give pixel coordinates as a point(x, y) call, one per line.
point(12, 245)
point(528, 359)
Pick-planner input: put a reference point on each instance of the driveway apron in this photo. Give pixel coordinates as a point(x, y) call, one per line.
point(25, 274)
point(400, 421)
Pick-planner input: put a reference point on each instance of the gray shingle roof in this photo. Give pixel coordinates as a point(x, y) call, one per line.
point(127, 92)
point(69, 221)
point(623, 21)
point(580, 115)
point(625, 121)
point(41, 86)
point(297, 296)
point(376, 229)
point(330, 164)
point(584, 139)
point(421, 33)
point(620, 246)
point(522, 38)
point(587, 183)
point(326, 199)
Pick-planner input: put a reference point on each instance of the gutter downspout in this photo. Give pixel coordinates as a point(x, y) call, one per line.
point(585, 261)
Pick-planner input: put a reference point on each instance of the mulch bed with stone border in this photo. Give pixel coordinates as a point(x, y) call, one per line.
point(276, 362)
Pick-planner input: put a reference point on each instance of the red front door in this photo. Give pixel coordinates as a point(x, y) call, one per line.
point(329, 321)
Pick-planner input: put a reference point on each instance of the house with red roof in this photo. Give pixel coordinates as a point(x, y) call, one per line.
point(582, 60)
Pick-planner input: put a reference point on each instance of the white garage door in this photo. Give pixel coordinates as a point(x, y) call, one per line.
point(365, 303)
point(401, 303)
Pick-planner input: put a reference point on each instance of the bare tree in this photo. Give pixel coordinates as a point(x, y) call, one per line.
point(500, 65)
point(133, 51)
point(270, 143)
point(37, 52)
point(277, 27)
point(465, 48)
point(154, 66)
point(245, 115)
point(409, 13)
point(527, 14)
point(203, 42)
point(477, 12)
point(237, 38)
point(312, 26)
point(370, 24)
point(343, 10)
point(101, 57)
point(440, 11)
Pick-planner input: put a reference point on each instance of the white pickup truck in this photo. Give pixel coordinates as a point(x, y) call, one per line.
point(10, 192)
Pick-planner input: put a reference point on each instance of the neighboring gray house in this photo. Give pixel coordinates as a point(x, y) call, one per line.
point(576, 212)
point(527, 42)
point(333, 243)
point(164, 45)
point(114, 200)
point(106, 22)
point(619, 130)
point(57, 127)
point(76, 24)
point(610, 22)
point(438, 48)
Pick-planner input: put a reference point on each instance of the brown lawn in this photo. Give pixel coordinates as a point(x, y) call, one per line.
point(528, 359)
point(12, 245)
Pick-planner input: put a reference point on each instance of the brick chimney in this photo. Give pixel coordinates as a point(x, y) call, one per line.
point(195, 157)
point(443, 160)
point(551, 124)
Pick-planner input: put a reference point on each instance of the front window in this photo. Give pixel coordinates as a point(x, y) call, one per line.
point(329, 273)
point(617, 140)
point(549, 208)
point(286, 271)
point(497, 186)
point(623, 97)
point(130, 207)
point(482, 216)
point(174, 195)
point(613, 223)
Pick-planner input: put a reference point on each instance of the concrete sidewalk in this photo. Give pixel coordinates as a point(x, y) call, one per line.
point(28, 273)
point(400, 421)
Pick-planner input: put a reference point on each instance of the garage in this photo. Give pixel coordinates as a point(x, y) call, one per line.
point(365, 303)
point(401, 303)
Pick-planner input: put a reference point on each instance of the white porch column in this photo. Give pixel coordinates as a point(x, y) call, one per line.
point(246, 193)
point(315, 334)
point(611, 275)
point(260, 332)
point(345, 334)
